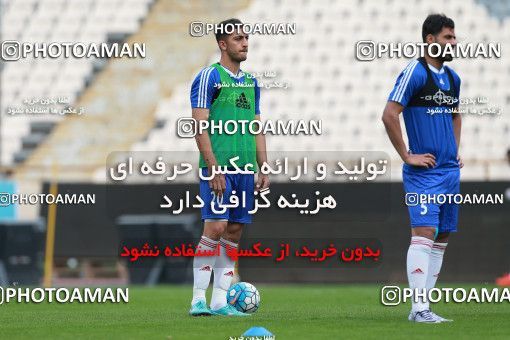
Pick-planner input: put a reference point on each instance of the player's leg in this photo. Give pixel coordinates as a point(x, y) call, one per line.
point(436, 258)
point(203, 265)
point(224, 266)
point(418, 257)
point(435, 262)
point(215, 225)
point(424, 222)
point(448, 218)
point(243, 185)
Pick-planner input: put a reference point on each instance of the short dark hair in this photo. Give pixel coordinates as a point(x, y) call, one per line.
point(434, 24)
point(222, 28)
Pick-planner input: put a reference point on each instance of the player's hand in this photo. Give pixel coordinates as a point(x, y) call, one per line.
point(218, 184)
point(262, 182)
point(424, 160)
point(461, 164)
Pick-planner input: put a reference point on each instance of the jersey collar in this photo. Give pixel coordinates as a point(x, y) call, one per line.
point(239, 75)
point(435, 70)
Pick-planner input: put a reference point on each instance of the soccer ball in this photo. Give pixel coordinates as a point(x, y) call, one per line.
point(244, 297)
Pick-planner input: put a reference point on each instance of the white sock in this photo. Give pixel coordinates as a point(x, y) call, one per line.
point(202, 269)
point(435, 262)
point(417, 268)
point(223, 274)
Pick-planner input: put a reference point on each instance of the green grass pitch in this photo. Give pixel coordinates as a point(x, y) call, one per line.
point(290, 312)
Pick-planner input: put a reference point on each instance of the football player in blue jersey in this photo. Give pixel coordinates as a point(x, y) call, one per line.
point(427, 92)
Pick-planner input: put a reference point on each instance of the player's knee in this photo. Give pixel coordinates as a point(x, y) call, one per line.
point(442, 237)
point(234, 232)
point(427, 232)
point(214, 230)
point(234, 237)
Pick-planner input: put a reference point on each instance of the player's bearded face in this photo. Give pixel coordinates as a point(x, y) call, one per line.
point(237, 47)
point(446, 36)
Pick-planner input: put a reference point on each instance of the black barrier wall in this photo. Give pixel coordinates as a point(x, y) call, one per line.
point(367, 214)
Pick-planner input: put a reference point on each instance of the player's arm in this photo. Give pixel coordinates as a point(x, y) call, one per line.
point(202, 92)
point(457, 127)
point(391, 122)
point(260, 140)
point(217, 183)
point(202, 139)
point(407, 85)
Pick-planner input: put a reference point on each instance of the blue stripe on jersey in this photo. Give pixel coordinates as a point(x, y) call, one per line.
point(407, 75)
point(199, 88)
point(202, 97)
point(403, 82)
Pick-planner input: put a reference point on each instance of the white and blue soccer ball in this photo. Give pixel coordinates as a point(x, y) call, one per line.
point(244, 297)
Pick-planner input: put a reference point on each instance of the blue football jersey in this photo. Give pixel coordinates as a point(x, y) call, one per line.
point(428, 115)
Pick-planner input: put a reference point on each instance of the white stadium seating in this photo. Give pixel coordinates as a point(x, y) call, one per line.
point(326, 81)
point(349, 96)
point(46, 21)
